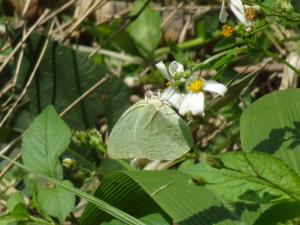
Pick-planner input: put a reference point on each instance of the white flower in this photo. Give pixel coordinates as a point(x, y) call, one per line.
point(171, 95)
point(192, 99)
point(237, 7)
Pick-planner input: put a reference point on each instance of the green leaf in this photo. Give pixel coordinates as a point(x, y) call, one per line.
point(145, 31)
point(249, 177)
point(225, 61)
point(11, 220)
point(55, 200)
point(95, 201)
point(45, 140)
point(179, 55)
point(173, 191)
point(150, 129)
point(13, 200)
point(152, 219)
point(272, 125)
point(64, 75)
point(121, 191)
point(280, 213)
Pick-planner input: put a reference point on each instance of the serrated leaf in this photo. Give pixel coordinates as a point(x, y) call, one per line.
point(45, 140)
point(150, 129)
point(272, 124)
point(145, 31)
point(251, 178)
point(55, 200)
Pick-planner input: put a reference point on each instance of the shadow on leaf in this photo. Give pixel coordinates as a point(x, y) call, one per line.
point(286, 136)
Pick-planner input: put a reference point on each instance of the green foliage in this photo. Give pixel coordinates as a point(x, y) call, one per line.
point(179, 56)
point(95, 201)
point(172, 191)
point(235, 164)
point(145, 31)
point(250, 177)
point(14, 200)
point(46, 139)
point(55, 200)
point(152, 219)
point(65, 74)
point(150, 129)
point(271, 124)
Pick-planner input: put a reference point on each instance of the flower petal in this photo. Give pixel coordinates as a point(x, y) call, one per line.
point(223, 13)
point(193, 103)
point(172, 96)
point(175, 67)
point(215, 87)
point(152, 165)
point(163, 70)
point(237, 7)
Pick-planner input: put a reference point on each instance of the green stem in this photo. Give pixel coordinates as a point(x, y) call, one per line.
point(237, 50)
point(197, 42)
point(41, 221)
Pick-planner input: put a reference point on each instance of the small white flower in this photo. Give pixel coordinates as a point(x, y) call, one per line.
point(237, 7)
point(192, 98)
point(193, 101)
point(171, 95)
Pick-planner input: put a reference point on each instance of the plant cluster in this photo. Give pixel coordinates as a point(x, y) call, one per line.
point(149, 112)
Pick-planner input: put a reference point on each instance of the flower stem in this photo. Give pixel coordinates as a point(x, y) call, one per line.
point(197, 42)
point(236, 50)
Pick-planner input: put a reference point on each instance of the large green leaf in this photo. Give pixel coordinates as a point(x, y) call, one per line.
point(173, 191)
point(280, 213)
point(150, 129)
point(253, 177)
point(45, 140)
point(55, 200)
point(152, 219)
point(145, 31)
point(272, 124)
point(121, 191)
point(65, 74)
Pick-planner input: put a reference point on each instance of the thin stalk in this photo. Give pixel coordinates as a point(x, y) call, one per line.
point(237, 50)
point(197, 42)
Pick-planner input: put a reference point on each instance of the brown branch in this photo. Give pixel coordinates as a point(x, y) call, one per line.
point(39, 60)
point(84, 95)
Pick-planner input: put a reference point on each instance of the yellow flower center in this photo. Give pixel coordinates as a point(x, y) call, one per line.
point(251, 13)
point(196, 86)
point(227, 30)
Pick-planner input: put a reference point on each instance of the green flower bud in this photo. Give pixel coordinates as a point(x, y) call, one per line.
point(69, 163)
